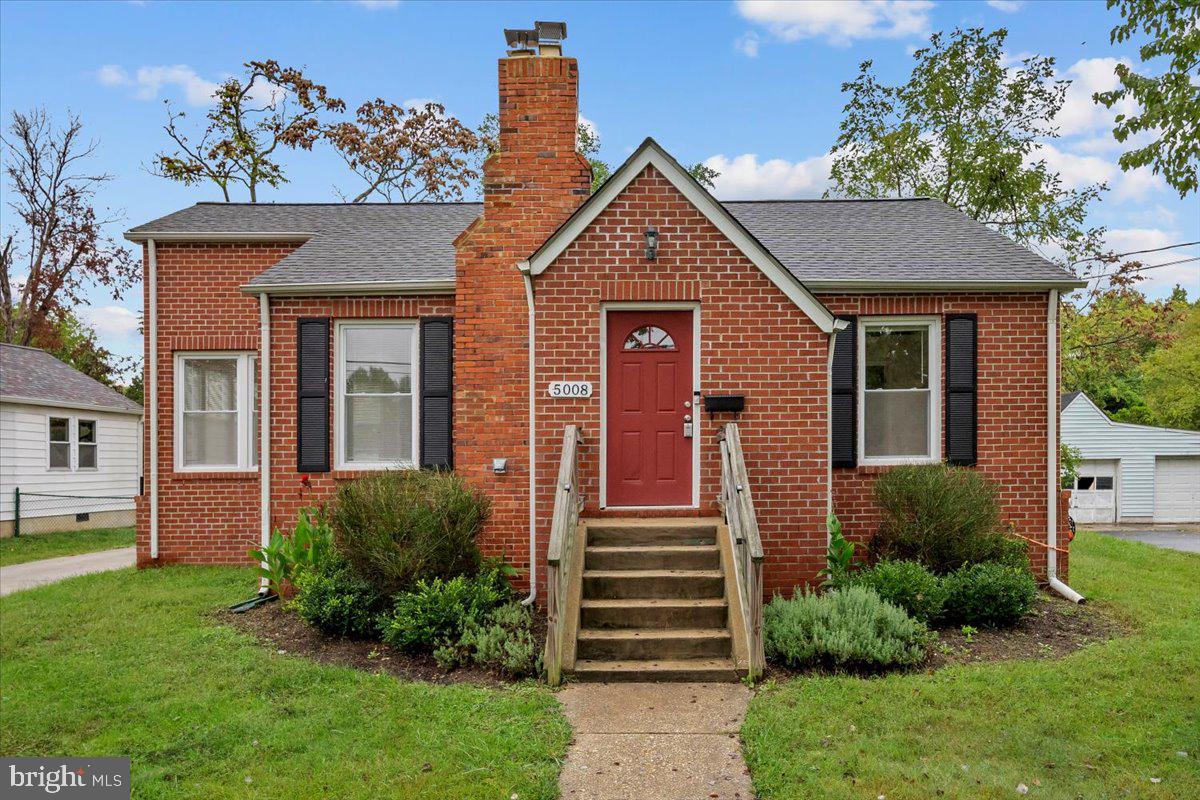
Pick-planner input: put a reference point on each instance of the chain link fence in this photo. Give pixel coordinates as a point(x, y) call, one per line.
point(39, 512)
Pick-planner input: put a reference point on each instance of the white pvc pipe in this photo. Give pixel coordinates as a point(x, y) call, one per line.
point(532, 443)
point(264, 422)
point(1052, 452)
point(829, 432)
point(152, 324)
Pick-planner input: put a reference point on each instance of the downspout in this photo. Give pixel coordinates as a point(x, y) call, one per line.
point(152, 314)
point(264, 425)
point(838, 326)
point(1052, 452)
point(524, 267)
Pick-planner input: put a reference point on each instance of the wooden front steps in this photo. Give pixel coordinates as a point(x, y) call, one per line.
point(653, 602)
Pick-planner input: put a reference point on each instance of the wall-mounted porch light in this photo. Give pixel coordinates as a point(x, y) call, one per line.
point(651, 244)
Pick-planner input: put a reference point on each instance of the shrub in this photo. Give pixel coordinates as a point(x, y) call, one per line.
point(1014, 553)
point(944, 517)
point(403, 526)
point(908, 585)
point(337, 601)
point(437, 612)
point(992, 595)
point(505, 641)
point(848, 628)
point(839, 557)
point(308, 547)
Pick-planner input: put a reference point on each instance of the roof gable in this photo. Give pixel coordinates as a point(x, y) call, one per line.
point(36, 377)
point(651, 154)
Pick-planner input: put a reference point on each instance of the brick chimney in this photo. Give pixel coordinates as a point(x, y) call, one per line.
point(532, 183)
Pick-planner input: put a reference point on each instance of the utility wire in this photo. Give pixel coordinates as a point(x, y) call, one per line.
point(1138, 252)
point(1143, 269)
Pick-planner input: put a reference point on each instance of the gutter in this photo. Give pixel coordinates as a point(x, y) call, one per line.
point(1052, 451)
point(867, 285)
point(525, 273)
point(264, 426)
point(152, 319)
point(445, 286)
point(216, 236)
point(41, 401)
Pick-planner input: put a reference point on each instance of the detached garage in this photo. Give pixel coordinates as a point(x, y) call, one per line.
point(1130, 473)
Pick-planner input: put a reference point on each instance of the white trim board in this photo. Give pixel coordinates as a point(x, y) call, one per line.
point(651, 154)
point(665, 305)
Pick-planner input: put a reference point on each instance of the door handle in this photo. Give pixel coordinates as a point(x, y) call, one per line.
point(687, 426)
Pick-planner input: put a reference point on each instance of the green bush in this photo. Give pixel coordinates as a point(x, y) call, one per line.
point(847, 628)
point(437, 612)
point(992, 595)
point(908, 585)
point(1014, 553)
point(308, 547)
point(404, 526)
point(505, 641)
point(944, 517)
point(337, 601)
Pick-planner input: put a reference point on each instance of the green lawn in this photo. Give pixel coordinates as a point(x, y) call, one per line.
point(133, 663)
point(36, 546)
point(1100, 723)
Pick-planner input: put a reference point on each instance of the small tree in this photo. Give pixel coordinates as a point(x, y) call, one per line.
point(252, 118)
point(1172, 375)
point(1168, 105)
point(406, 153)
point(965, 129)
point(54, 246)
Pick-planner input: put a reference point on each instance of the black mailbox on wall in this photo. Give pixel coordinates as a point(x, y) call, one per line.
point(724, 403)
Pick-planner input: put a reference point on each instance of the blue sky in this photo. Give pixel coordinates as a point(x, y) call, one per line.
point(753, 89)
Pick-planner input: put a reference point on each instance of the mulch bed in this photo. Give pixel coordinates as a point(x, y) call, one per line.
point(1053, 629)
point(286, 633)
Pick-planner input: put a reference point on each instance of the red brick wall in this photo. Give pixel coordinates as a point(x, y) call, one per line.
point(531, 186)
point(753, 340)
point(203, 518)
point(1011, 406)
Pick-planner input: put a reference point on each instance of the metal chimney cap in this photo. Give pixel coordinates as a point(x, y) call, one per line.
point(550, 31)
point(521, 38)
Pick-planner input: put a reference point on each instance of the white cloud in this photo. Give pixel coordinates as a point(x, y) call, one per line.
point(747, 44)
point(377, 5)
point(1159, 280)
point(1007, 6)
point(151, 81)
point(839, 21)
point(115, 322)
point(745, 178)
point(1080, 115)
point(1078, 170)
point(113, 75)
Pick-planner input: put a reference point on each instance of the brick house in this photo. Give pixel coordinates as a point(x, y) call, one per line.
point(841, 337)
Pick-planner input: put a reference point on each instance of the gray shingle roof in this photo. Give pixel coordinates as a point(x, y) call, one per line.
point(1065, 399)
point(33, 374)
point(824, 243)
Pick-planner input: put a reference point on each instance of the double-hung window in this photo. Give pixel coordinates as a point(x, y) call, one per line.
point(376, 405)
point(214, 423)
point(60, 442)
point(73, 443)
point(900, 385)
point(86, 445)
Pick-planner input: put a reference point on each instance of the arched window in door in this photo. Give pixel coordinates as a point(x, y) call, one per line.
point(649, 337)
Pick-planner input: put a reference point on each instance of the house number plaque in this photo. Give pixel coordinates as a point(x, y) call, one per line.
point(570, 389)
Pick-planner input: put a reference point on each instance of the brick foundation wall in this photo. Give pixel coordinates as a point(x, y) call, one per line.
point(753, 340)
point(1011, 407)
point(203, 517)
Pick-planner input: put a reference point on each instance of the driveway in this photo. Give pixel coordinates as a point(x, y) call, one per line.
point(49, 570)
point(1185, 538)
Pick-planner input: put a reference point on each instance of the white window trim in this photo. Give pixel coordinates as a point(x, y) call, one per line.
point(78, 445)
point(935, 389)
point(339, 392)
point(70, 443)
point(242, 405)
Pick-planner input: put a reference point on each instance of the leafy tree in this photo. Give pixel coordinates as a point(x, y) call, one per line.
point(135, 390)
point(73, 342)
point(409, 154)
point(1172, 375)
point(587, 144)
point(965, 128)
point(54, 247)
point(1105, 344)
point(252, 118)
point(1169, 105)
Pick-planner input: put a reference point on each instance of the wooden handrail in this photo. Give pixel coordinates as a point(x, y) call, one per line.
point(568, 502)
point(737, 506)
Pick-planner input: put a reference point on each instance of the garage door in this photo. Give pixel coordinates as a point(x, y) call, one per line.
point(1177, 489)
point(1094, 498)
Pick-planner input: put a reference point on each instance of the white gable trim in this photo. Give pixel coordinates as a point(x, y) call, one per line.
point(651, 154)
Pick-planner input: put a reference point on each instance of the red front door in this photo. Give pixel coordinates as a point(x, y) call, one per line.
point(650, 382)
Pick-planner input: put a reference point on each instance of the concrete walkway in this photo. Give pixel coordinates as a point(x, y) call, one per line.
point(667, 741)
point(49, 570)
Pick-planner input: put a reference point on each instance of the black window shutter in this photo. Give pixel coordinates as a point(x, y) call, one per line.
point(437, 392)
point(961, 388)
point(312, 394)
point(843, 400)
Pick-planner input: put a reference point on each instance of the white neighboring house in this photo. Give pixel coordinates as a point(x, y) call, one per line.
point(1130, 473)
point(68, 442)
